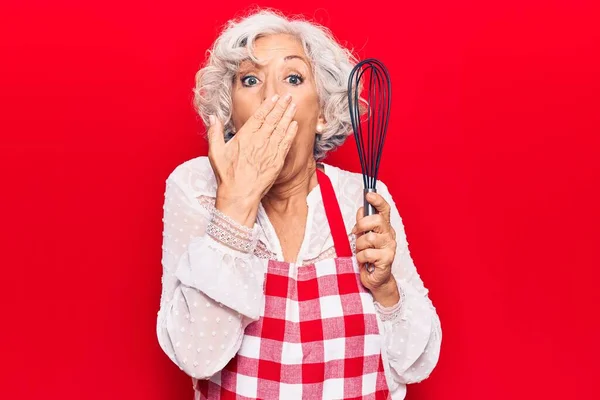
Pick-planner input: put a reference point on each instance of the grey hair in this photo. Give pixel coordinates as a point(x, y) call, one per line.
point(331, 64)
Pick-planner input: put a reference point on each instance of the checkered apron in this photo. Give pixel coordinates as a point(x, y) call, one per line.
point(317, 337)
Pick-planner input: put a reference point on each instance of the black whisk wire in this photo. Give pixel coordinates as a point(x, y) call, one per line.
point(378, 94)
point(372, 76)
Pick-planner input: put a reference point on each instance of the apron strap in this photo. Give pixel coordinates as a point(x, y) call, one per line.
point(334, 216)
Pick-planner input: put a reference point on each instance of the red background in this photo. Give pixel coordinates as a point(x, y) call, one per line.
point(492, 159)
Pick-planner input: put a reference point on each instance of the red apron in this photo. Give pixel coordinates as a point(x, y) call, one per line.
point(317, 337)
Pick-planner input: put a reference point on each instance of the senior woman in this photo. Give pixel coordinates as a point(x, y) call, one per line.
point(265, 294)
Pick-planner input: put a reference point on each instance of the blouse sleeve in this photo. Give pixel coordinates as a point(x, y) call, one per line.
point(212, 284)
point(411, 329)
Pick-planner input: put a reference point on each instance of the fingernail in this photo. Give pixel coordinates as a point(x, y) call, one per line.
point(292, 107)
point(275, 98)
point(287, 97)
point(212, 119)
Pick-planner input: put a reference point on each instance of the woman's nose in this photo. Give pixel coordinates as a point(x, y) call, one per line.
point(269, 94)
point(270, 90)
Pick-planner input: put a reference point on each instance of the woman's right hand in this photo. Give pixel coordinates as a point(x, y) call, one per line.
point(247, 165)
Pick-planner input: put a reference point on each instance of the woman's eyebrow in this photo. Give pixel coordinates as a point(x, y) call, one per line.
point(293, 56)
point(248, 63)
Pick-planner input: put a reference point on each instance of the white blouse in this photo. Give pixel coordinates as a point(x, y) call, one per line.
point(212, 290)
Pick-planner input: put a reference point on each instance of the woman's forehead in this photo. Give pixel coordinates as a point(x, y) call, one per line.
point(278, 46)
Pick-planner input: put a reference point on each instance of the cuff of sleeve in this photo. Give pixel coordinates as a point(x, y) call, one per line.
point(230, 277)
point(392, 312)
point(230, 233)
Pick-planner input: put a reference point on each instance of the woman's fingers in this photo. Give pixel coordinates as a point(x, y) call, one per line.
point(382, 206)
point(268, 116)
point(216, 140)
point(286, 143)
point(282, 127)
point(376, 223)
point(379, 222)
point(373, 240)
point(377, 257)
point(256, 121)
point(273, 118)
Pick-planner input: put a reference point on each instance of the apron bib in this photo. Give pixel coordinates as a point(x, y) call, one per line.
point(317, 337)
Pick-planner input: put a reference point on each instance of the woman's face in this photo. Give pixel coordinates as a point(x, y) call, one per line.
point(287, 69)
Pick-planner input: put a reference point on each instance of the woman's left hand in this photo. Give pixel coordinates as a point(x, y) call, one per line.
point(376, 244)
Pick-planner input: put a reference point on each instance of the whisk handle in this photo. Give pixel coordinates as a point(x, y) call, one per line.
point(369, 209)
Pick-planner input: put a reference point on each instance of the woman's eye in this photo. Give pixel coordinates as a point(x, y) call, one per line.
point(249, 80)
point(295, 79)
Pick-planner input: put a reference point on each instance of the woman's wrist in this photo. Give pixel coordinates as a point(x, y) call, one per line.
point(387, 294)
point(241, 209)
point(232, 224)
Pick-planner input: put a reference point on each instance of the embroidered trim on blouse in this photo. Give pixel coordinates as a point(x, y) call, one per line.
point(227, 231)
point(329, 253)
point(229, 236)
point(261, 251)
point(238, 237)
point(392, 312)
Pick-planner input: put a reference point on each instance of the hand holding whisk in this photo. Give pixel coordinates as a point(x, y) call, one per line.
point(372, 77)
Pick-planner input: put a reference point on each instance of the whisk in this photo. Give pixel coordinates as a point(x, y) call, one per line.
point(372, 77)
